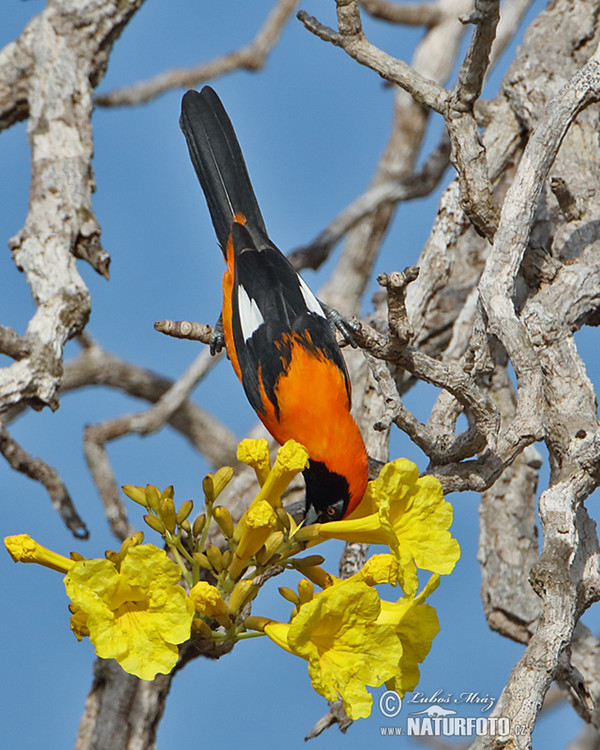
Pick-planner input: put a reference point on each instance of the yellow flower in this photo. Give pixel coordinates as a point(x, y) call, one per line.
point(346, 649)
point(136, 615)
point(409, 514)
point(22, 548)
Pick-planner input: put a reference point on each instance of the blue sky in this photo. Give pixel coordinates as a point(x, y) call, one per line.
point(310, 149)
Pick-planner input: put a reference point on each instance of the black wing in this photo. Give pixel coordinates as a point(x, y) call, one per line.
point(270, 300)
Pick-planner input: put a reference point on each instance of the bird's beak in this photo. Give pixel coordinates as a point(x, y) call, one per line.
point(297, 510)
point(311, 516)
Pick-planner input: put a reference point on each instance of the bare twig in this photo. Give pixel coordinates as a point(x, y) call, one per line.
point(395, 284)
point(409, 14)
point(184, 329)
point(381, 194)
point(143, 423)
point(205, 434)
point(13, 345)
point(251, 58)
point(335, 715)
point(468, 153)
point(40, 471)
point(566, 199)
point(352, 40)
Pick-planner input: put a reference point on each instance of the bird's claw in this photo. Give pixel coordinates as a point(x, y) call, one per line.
point(217, 338)
point(342, 324)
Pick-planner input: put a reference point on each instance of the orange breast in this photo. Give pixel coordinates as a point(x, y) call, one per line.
point(314, 409)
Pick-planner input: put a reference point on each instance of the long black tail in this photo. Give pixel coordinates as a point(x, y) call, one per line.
point(219, 163)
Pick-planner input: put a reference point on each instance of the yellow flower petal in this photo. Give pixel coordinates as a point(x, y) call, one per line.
point(278, 633)
point(416, 625)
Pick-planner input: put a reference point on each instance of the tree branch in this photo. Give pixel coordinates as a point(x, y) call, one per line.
point(251, 58)
point(353, 41)
point(40, 471)
point(409, 14)
point(60, 56)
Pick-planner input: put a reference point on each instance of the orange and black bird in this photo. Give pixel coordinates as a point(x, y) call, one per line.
point(279, 337)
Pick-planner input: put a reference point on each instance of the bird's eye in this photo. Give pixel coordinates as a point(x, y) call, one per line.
point(334, 511)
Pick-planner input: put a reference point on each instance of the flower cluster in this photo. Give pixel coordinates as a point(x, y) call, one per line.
point(138, 605)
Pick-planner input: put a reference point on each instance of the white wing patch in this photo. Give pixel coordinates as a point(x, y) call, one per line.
point(250, 317)
point(312, 303)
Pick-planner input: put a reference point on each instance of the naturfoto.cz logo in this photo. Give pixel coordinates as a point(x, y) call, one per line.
point(438, 719)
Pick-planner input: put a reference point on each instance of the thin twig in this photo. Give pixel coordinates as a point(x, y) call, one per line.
point(390, 192)
point(251, 58)
point(185, 329)
point(408, 14)
point(40, 471)
point(352, 40)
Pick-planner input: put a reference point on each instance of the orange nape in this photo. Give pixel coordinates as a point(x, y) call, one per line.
point(314, 409)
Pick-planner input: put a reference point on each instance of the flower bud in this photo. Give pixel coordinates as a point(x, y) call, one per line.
point(152, 497)
point(215, 557)
point(223, 517)
point(255, 622)
point(113, 556)
point(307, 562)
point(318, 575)
point(167, 514)
point(184, 511)
point(270, 548)
point(137, 494)
point(221, 479)
point(168, 492)
point(243, 593)
point(200, 628)
point(283, 518)
point(131, 541)
point(289, 594)
point(308, 533)
point(214, 484)
point(202, 560)
point(306, 590)
point(227, 558)
point(154, 523)
point(199, 524)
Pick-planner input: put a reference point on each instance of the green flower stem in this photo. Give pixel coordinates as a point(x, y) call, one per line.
point(176, 543)
point(184, 569)
point(195, 572)
point(204, 537)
